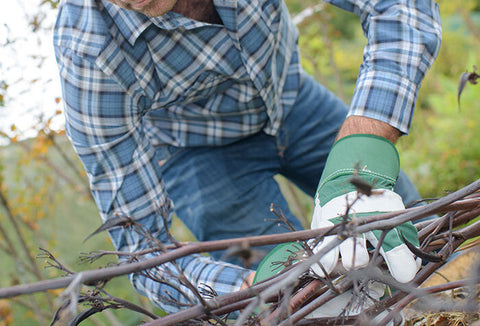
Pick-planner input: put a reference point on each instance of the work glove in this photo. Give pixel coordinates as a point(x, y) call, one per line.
point(375, 160)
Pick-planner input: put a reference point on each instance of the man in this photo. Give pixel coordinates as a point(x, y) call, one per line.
point(204, 102)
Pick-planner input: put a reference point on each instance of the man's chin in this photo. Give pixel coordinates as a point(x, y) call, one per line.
point(140, 4)
point(151, 8)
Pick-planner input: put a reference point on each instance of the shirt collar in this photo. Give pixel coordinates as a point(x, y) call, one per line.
point(131, 23)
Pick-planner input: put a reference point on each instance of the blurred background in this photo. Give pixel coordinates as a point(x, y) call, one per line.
point(44, 196)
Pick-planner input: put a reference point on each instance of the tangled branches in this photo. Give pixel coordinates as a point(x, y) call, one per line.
point(292, 296)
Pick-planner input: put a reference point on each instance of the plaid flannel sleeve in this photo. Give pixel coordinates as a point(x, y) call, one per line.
point(403, 41)
point(105, 127)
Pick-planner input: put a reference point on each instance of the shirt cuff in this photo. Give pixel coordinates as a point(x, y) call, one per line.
point(212, 278)
point(385, 96)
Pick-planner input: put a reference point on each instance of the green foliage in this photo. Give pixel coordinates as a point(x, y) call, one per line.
point(329, 50)
point(55, 214)
point(442, 153)
point(450, 7)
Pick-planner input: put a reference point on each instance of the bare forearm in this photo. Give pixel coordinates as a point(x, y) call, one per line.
point(362, 125)
point(248, 281)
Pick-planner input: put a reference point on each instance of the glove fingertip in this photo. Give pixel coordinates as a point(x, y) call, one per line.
point(354, 253)
point(401, 263)
point(328, 261)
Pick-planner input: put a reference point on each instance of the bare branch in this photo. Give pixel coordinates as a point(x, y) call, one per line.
point(291, 291)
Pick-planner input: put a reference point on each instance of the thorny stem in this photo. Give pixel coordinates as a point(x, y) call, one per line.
point(306, 246)
point(56, 263)
point(130, 305)
point(438, 227)
point(292, 278)
point(192, 248)
point(92, 256)
point(187, 249)
point(207, 246)
point(344, 283)
point(463, 211)
point(450, 236)
point(387, 224)
point(279, 213)
point(220, 303)
point(467, 232)
point(182, 278)
point(376, 222)
point(452, 202)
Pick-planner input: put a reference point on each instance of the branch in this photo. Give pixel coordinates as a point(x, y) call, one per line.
point(374, 222)
point(461, 203)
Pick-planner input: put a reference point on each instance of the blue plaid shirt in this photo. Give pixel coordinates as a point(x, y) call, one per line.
point(132, 83)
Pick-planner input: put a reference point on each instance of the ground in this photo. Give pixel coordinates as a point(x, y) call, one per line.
point(459, 268)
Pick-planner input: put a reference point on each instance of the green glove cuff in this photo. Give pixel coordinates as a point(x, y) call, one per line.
point(374, 158)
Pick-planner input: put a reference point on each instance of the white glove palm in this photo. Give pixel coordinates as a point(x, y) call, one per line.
point(375, 160)
point(401, 262)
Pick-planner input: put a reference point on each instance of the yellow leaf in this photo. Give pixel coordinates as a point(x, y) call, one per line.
point(6, 314)
point(55, 291)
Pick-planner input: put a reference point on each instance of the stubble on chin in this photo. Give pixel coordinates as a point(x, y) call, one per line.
point(154, 9)
point(158, 7)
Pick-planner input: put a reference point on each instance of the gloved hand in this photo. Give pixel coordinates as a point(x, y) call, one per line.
point(375, 160)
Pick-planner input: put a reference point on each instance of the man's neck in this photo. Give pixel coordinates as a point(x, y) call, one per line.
point(201, 10)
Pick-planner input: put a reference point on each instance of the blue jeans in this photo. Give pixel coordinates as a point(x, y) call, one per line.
point(226, 192)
